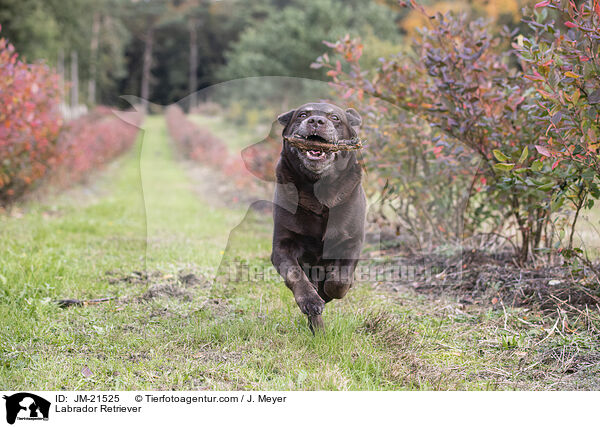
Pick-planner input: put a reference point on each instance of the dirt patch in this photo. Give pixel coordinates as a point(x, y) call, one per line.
point(144, 277)
point(167, 285)
point(159, 284)
point(389, 330)
point(218, 307)
point(135, 277)
point(212, 355)
point(190, 279)
point(476, 277)
point(408, 369)
point(165, 290)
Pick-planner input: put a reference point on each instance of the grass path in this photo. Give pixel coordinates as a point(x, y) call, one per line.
point(178, 331)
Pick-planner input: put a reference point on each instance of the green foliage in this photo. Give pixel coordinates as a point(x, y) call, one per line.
point(45, 29)
point(242, 113)
point(535, 132)
point(458, 80)
point(34, 27)
point(218, 25)
point(287, 41)
point(561, 59)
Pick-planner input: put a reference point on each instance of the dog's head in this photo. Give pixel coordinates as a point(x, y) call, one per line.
point(322, 123)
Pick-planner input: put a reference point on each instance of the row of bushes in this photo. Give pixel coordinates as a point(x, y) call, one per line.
point(200, 145)
point(470, 134)
point(91, 141)
point(29, 123)
point(35, 143)
point(194, 143)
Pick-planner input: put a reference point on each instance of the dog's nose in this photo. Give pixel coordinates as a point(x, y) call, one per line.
point(316, 120)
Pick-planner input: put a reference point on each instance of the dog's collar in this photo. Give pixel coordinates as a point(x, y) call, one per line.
point(341, 145)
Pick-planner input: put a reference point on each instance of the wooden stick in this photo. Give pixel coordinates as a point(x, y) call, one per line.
point(63, 303)
point(341, 145)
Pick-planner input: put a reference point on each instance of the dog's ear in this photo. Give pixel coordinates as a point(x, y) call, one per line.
point(353, 117)
point(285, 118)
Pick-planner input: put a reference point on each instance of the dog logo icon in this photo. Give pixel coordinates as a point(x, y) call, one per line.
point(26, 406)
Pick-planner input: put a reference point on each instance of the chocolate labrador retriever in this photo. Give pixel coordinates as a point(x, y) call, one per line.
point(319, 207)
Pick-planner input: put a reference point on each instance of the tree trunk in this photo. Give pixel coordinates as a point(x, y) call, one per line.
point(524, 250)
point(193, 83)
point(93, 59)
point(146, 67)
point(581, 197)
point(61, 72)
point(74, 82)
point(523, 229)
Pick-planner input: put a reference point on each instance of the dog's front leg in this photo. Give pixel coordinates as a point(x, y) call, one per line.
point(285, 259)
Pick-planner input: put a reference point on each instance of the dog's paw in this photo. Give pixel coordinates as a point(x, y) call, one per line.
point(311, 304)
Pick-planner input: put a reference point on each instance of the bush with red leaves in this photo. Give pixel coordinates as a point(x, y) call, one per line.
point(91, 141)
point(35, 144)
point(202, 146)
point(29, 123)
point(193, 142)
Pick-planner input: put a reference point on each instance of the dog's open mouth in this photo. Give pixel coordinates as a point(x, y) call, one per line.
point(312, 147)
point(315, 154)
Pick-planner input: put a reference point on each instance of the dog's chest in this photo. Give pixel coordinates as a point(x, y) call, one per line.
point(308, 201)
point(311, 216)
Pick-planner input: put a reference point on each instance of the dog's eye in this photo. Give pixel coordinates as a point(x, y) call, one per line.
point(302, 114)
point(335, 118)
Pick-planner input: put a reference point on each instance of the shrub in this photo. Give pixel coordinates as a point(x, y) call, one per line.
point(561, 59)
point(458, 80)
point(193, 142)
point(261, 158)
point(29, 123)
point(89, 142)
point(417, 184)
point(201, 145)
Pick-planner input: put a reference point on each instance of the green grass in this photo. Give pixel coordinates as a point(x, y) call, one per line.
point(166, 334)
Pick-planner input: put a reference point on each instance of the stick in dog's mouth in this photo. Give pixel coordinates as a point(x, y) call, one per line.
point(317, 143)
